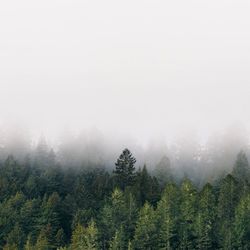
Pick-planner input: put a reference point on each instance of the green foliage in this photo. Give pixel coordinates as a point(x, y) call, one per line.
point(124, 171)
point(84, 238)
point(241, 170)
point(145, 231)
point(187, 215)
point(45, 207)
point(167, 218)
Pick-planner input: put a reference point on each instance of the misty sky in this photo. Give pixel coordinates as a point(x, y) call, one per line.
point(143, 68)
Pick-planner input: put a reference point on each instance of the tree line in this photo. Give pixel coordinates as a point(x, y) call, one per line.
point(45, 206)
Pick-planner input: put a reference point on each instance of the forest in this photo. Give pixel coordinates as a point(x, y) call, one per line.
point(44, 205)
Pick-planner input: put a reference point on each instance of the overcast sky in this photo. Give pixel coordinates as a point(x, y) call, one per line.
point(144, 68)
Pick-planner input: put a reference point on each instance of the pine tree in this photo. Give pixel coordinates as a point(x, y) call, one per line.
point(119, 241)
point(112, 216)
point(60, 238)
point(28, 245)
point(205, 218)
point(241, 230)
point(124, 171)
point(42, 241)
point(84, 238)
point(167, 218)
point(16, 237)
point(163, 171)
point(187, 215)
point(228, 198)
point(145, 232)
point(241, 170)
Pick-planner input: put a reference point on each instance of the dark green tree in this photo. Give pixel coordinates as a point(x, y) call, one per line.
point(187, 215)
point(241, 169)
point(205, 218)
point(125, 169)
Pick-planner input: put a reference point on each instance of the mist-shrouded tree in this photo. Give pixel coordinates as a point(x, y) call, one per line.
point(241, 169)
point(125, 169)
point(162, 171)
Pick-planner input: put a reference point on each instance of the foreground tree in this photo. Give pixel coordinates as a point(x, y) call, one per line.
point(241, 230)
point(84, 238)
point(187, 215)
point(205, 218)
point(167, 218)
point(145, 231)
point(228, 199)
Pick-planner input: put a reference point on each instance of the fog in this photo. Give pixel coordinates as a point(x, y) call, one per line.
point(138, 74)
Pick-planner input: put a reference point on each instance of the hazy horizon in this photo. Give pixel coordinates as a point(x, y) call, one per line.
point(132, 69)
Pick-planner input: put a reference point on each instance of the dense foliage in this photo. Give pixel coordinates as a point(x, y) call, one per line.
point(44, 206)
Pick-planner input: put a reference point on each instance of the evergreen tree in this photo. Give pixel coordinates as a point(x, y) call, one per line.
point(187, 215)
point(227, 201)
point(241, 170)
point(205, 218)
point(145, 231)
point(163, 171)
point(241, 232)
point(167, 218)
point(124, 171)
point(28, 245)
point(16, 237)
point(42, 241)
point(84, 238)
point(119, 241)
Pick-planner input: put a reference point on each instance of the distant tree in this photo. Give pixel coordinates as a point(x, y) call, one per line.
point(241, 169)
point(124, 171)
point(163, 171)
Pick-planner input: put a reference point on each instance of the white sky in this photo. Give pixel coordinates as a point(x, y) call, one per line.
point(139, 67)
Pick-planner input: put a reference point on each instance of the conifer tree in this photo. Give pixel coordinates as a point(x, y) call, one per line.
point(241, 169)
point(167, 218)
point(28, 245)
point(124, 171)
point(227, 200)
point(84, 238)
point(42, 241)
point(241, 230)
point(187, 215)
point(119, 241)
point(145, 231)
point(205, 218)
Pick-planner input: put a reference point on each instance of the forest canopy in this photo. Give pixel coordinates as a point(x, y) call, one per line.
point(44, 205)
